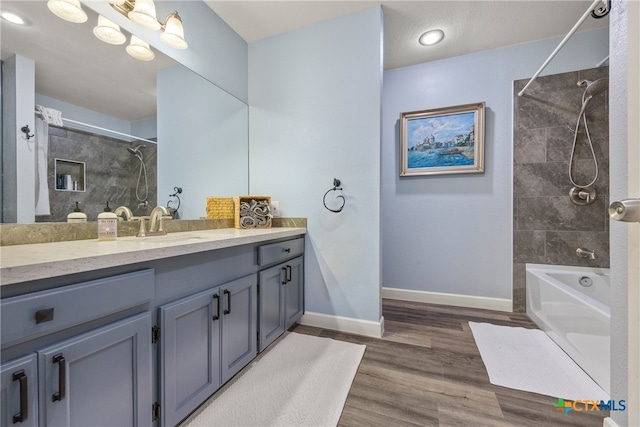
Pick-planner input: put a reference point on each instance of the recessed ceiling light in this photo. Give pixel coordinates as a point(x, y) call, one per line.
point(431, 37)
point(12, 17)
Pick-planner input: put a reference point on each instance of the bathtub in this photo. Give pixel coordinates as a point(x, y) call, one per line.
point(576, 316)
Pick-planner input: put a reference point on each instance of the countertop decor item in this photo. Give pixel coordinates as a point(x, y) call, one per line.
point(220, 207)
point(252, 212)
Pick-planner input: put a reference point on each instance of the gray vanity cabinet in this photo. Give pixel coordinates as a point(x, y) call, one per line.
point(239, 322)
point(102, 377)
point(294, 292)
point(281, 299)
point(19, 392)
point(206, 338)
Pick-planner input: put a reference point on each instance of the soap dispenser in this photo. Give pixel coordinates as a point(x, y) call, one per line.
point(107, 224)
point(77, 215)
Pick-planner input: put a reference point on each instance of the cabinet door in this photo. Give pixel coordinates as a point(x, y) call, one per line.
point(294, 292)
point(101, 378)
point(190, 355)
point(271, 296)
point(19, 392)
point(239, 322)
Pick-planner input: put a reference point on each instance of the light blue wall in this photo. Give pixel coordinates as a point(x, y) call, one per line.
point(315, 115)
point(453, 233)
point(216, 52)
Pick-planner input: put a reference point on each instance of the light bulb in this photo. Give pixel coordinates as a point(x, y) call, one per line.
point(69, 10)
point(139, 49)
point(108, 32)
point(144, 14)
point(173, 34)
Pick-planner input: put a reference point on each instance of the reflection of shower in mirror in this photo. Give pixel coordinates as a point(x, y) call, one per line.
point(142, 201)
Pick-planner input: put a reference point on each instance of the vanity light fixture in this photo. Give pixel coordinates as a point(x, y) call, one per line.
point(108, 32)
point(69, 10)
point(139, 49)
point(143, 13)
point(173, 34)
point(13, 18)
point(431, 37)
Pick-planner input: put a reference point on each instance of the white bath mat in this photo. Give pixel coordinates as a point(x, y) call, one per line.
point(302, 381)
point(527, 359)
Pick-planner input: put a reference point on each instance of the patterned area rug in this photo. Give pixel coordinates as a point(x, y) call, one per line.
point(302, 381)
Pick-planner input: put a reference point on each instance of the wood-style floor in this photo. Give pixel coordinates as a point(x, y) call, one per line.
point(427, 371)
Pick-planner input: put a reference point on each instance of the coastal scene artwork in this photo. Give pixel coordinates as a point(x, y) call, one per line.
point(442, 141)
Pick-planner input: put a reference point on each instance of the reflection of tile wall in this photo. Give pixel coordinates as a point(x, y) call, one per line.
point(111, 173)
point(548, 227)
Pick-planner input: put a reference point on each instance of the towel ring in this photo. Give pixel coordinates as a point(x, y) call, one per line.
point(336, 183)
point(174, 211)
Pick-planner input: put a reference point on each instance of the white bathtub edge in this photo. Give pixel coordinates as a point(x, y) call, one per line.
point(608, 422)
point(457, 300)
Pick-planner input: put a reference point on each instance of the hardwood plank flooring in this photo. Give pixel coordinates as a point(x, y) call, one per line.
point(427, 371)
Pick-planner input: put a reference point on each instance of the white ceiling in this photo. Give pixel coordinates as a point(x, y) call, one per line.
point(74, 66)
point(469, 26)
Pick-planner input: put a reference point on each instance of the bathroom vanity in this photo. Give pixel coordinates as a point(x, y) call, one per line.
point(140, 331)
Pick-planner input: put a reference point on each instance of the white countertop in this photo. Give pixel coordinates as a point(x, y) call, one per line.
point(22, 263)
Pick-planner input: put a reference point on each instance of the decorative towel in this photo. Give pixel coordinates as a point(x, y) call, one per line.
point(255, 214)
point(42, 152)
point(51, 116)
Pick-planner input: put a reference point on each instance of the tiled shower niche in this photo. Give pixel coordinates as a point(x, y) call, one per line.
point(547, 226)
point(110, 173)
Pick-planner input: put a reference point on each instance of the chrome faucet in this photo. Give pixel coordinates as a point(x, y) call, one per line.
point(585, 253)
point(124, 211)
point(156, 225)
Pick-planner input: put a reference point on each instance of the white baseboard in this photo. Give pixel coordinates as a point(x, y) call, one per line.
point(448, 299)
point(344, 324)
point(608, 422)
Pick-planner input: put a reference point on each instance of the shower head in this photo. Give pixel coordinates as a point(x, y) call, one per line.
point(594, 88)
point(136, 151)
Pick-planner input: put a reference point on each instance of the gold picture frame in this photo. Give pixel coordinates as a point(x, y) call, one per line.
point(442, 140)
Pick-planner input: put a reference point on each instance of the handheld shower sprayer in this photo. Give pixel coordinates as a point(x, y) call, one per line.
point(143, 171)
point(592, 88)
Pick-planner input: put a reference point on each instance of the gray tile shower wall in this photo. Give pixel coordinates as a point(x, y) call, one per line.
point(111, 174)
point(548, 227)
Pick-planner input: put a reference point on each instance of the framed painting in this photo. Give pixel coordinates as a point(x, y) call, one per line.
point(442, 141)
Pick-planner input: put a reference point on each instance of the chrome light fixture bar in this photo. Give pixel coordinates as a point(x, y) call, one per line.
point(143, 13)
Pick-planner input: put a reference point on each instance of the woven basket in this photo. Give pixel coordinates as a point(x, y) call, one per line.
point(220, 207)
point(239, 200)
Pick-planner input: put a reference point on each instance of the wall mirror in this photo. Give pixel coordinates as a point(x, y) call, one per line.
point(78, 72)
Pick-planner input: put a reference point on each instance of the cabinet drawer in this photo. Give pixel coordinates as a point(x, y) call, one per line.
point(29, 316)
point(276, 252)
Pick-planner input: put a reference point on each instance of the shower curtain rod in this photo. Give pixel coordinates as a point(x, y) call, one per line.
point(562, 43)
point(103, 129)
